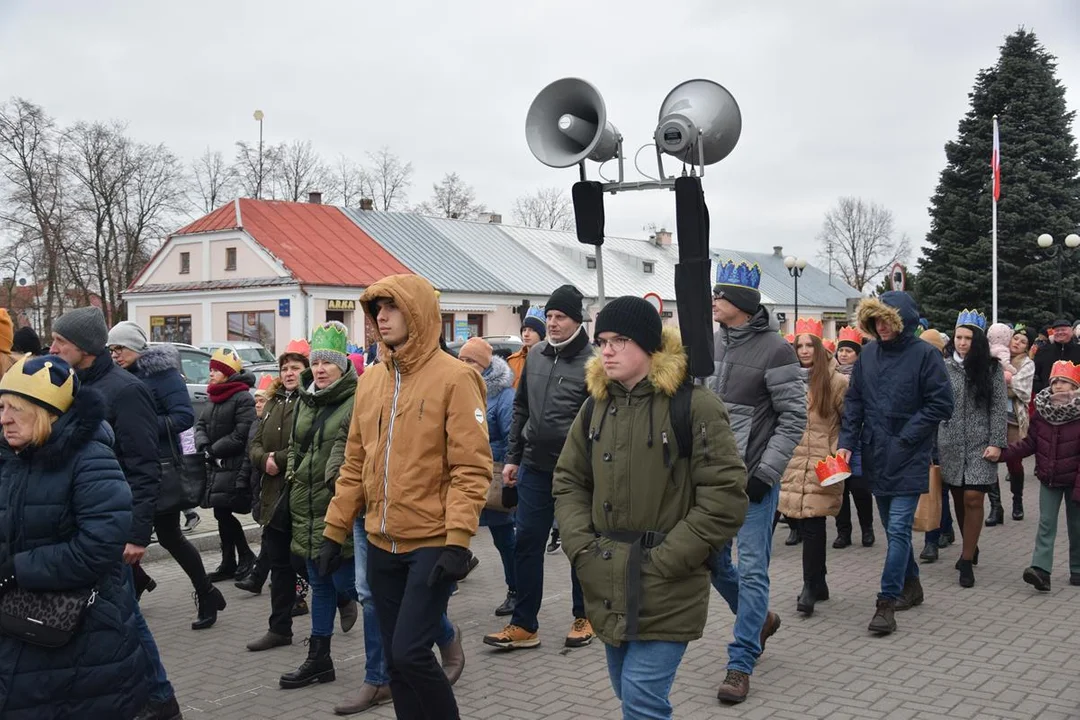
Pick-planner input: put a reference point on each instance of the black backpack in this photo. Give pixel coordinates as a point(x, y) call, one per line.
point(681, 421)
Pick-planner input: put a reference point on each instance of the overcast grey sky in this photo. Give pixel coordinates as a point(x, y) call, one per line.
point(839, 97)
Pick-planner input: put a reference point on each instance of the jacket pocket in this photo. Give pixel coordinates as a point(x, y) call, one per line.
point(601, 570)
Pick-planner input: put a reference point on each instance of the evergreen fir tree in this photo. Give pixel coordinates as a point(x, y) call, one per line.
point(1040, 193)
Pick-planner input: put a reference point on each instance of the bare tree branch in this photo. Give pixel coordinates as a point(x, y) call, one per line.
point(300, 170)
point(212, 180)
point(547, 208)
point(254, 171)
point(387, 179)
point(452, 198)
point(859, 237)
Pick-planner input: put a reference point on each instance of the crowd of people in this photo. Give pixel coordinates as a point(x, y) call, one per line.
point(370, 477)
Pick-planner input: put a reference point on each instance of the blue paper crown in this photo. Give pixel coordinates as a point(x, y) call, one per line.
point(741, 274)
point(971, 318)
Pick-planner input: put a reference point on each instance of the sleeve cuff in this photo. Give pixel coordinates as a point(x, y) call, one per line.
point(333, 532)
point(460, 538)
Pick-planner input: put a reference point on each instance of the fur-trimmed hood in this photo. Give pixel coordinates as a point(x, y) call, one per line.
point(498, 376)
point(82, 423)
point(667, 373)
point(895, 307)
point(156, 359)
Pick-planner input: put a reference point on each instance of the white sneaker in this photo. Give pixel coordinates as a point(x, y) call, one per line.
point(192, 521)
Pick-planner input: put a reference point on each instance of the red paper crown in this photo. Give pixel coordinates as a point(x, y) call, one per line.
point(849, 334)
point(1067, 371)
point(832, 466)
point(809, 326)
point(830, 346)
point(790, 338)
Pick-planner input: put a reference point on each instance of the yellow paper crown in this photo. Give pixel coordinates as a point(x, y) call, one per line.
point(39, 386)
point(227, 357)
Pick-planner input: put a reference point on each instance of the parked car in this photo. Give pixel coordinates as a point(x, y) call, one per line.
point(263, 368)
point(195, 367)
point(249, 352)
point(502, 345)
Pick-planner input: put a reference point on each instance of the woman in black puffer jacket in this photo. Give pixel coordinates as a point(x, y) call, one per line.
point(222, 434)
point(65, 515)
point(158, 366)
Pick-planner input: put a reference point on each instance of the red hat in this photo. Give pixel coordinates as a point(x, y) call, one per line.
point(809, 326)
point(1065, 370)
point(264, 385)
point(297, 348)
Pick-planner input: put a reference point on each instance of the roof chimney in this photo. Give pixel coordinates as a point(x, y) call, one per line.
point(778, 250)
point(489, 217)
point(662, 238)
point(495, 219)
point(314, 197)
point(367, 204)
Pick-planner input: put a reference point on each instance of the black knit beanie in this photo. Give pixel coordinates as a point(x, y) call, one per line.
point(566, 299)
point(850, 344)
point(746, 299)
point(632, 317)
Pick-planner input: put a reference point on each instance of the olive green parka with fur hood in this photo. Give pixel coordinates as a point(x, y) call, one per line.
point(636, 482)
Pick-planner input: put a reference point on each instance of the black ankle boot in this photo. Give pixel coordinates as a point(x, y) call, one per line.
point(1016, 485)
point(253, 583)
point(821, 590)
point(997, 513)
point(967, 575)
point(843, 540)
point(1018, 508)
point(209, 604)
point(225, 571)
point(794, 537)
point(806, 600)
point(319, 666)
point(246, 565)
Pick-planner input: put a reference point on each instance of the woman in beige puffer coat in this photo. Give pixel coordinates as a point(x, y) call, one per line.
point(801, 495)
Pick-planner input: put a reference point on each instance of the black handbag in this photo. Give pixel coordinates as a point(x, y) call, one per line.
point(183, 480)
point(48, 619)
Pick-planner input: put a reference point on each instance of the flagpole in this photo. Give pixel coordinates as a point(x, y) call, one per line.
point(994, 174)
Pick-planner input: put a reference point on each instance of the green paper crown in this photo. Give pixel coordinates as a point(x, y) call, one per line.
point(332, 336)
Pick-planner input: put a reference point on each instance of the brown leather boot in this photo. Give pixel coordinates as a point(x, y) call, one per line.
point(735, 688)
point(368, 697)
point(453, 657)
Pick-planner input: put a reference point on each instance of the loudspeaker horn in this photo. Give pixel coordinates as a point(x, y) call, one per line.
point(567, 123)
point(693, 105)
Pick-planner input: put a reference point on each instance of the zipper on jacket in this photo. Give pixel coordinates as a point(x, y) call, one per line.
point(667, 450)
point(705, 442)
point(386, 459)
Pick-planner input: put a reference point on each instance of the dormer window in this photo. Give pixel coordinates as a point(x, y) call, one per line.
point(647, 266)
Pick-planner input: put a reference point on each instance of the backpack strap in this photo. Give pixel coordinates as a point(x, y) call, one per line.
point(681, 421)
point(588, 407)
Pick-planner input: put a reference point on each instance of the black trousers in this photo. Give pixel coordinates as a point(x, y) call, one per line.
point(170, 537)
point(813, 548)
point(410, 614)
point(859, 489)
point(275, 547)
point(234, 545)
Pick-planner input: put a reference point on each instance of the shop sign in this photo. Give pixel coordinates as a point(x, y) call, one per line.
point(340, 304)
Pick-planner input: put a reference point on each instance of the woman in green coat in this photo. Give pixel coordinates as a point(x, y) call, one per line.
point(327, 390)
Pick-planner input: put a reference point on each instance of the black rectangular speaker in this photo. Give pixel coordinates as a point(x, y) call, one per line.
point(589, 212)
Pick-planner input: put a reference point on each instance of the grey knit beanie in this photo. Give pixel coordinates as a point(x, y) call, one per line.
point(128, 334)
point(86, 328)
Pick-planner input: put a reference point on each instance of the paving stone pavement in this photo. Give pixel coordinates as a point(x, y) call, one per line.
point(996, 651)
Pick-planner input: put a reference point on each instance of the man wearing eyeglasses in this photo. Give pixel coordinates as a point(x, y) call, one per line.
point(550, 393)
point(759, 379)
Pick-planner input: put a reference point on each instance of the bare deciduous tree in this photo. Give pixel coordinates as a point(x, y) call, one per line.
point(547, 208)
point(345, 184)
point(212, 180)
point(254, 171)
point(387, 180)
point(300, 170)
point(859, 238)
point(452, 198)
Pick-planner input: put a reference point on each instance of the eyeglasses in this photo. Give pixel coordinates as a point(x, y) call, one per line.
point(116, 349)
point(616, 343)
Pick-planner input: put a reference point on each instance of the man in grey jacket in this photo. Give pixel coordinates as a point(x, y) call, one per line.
point(550, 393)
point(759, 379)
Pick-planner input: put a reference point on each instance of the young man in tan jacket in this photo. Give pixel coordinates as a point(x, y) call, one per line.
point(418, 466)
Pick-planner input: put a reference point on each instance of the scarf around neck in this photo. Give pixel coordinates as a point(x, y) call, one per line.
point(1058, 408)
point(220, 392)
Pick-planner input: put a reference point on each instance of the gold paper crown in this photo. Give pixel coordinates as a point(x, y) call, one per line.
point(228, 357)
point(39, 387)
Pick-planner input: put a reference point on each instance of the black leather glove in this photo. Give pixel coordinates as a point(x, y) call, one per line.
point(329, 557)
point(756, 490)
point(454, 564)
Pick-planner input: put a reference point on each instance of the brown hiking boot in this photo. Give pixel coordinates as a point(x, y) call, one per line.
point(911, 595)
point(368, 697)
point(453, 657)
point(735, 688)
point(772, 624)
point(884, 621)
point(513, 637)
point(580, 635)
point(269, 641)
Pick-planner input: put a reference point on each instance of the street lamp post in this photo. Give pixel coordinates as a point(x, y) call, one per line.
point(258, 182)
point(795, 267)
point(1046, 242)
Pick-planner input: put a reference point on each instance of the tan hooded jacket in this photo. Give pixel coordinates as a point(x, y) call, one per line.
point(417, 462)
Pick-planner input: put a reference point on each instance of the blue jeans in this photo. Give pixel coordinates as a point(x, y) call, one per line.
point(535, 514)
point(897, 516)
point(375, 657)
point(642, 672)
point(324, 595)
point(946, 517)
point(505, 541)
point(161, 690)
point(746, 587)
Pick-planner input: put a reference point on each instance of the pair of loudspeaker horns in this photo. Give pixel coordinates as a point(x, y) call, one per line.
point(567, 124)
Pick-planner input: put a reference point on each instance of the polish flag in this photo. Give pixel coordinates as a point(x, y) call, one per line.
point(995, 162)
